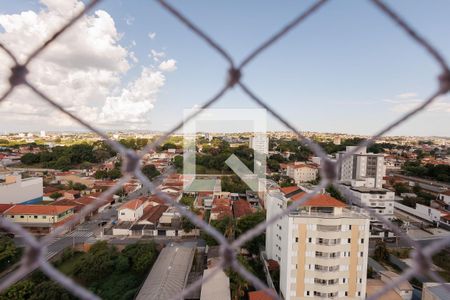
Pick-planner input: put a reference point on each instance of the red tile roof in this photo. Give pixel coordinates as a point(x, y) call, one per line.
point(259, 295)
point(221, 209)
point(319, 200)
point(4, 207)
point(153, 213)
point(241, 208)
point(132, 204)
point(289, 189)
point(221, 201)
point(37, 209)
point(50, 189)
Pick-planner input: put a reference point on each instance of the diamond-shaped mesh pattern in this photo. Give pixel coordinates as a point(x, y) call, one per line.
point(36, 250)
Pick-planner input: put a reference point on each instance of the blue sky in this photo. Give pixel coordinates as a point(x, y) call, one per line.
point(348, 68)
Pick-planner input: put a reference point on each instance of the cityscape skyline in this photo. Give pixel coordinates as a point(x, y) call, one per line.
point(133, 73)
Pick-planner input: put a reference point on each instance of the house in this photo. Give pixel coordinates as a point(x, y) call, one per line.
point(131, 211)
point(71, 194)
point(241, 208)
point(39, 219)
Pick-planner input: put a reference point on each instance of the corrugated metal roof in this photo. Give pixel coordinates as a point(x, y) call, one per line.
point(169, 273)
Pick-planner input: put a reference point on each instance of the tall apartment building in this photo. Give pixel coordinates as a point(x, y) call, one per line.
point(362, 165)
point(322, 247)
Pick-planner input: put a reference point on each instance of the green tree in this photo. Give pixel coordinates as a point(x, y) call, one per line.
point(49, 290)
point(9, 253)
point(187, 201)
point(150, 171)
point(30, 158)
point(186, 224)
point(97, 263)
point(400, 188)
point(22, 290)
point(56, 195)
point(141, 255)
point(381, 252)
point(101, 174)
point(114, 173)
point(63, 163)
point(248, 222)
point(334, 193)
point(178, 162)
point(79, 186)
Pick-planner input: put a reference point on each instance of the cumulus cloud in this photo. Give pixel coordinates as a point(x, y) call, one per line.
point(168, 65)
point(408, 101)
point(83, 69)
point(152, 35)
point(157, 56)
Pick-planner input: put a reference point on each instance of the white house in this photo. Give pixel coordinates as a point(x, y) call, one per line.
point(131, 211)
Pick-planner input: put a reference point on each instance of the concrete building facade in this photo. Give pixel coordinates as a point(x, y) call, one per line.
point(302, 172)
point(361, 165)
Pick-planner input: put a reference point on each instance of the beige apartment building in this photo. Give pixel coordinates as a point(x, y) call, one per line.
point(322, 247)
point(302, 172)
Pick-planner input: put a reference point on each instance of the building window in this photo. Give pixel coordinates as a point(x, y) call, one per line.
point(344, 280)
point(350, 227)
point(22, 217)
point(359, 293)
point(309, 240)
point(360, 280)
point(349, 241)
point(362, 241)
point(296, 239)
point(35, 217)
point(361, 254)
point(44, 217)
point(346, 293)
point(12, 217)
point(307, 293)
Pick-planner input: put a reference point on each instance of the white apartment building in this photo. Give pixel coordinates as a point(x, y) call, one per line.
point(302, 172)
point(15, 190)
point(260, 143)
point(363, 193)
point(362, 165)
point(322, 247)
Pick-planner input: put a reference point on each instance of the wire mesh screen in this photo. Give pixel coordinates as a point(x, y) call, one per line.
point(36, 250)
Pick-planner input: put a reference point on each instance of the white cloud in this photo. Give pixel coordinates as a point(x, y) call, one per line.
point(82, 70)
point(168, 65)
point(157, 56)
point(152, 35)
point(129, 20)
point(133, 57)
point(135, 101)
point(408, 101)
